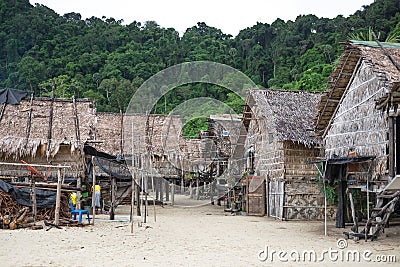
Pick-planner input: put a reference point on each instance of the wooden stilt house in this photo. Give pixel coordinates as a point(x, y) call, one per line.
point(358, 120)
point(280, 141)
point(46, 131)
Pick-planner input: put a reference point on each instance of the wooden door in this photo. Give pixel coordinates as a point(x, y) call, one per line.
point(276, 195)
point(256, 195)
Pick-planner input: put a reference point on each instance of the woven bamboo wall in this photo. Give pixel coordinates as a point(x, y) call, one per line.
point(304, 201)
point(357, 124)
point(268, 151)
point(295, 158)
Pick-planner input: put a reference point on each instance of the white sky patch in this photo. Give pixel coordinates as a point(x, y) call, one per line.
point(229, 16)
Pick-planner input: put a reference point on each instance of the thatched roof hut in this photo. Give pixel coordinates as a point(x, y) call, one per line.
point(354, 112)
point(358, 119)
point(45, 130)
point(289, 113)
point(280, 140)
point(358, 57)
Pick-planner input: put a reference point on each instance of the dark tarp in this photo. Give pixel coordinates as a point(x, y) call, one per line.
point(114, 166)
point(89, 150)
point(44, 198)
point(337, 166)
point(11, 96)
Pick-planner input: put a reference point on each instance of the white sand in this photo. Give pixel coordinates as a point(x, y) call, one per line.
point(202, 236)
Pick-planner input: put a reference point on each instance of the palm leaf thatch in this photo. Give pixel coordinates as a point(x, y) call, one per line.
point(289, 113)
point(22, 135)
point(356, 52)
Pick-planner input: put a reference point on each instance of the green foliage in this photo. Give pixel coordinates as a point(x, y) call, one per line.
point(329, 190)
point(103, 59)
point(192, 128)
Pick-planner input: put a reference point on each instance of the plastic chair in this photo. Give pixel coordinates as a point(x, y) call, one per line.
point(79, 212)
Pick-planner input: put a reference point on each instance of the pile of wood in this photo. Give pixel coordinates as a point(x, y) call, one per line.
point(14, 215)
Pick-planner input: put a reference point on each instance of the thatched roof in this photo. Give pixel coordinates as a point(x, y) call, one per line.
point(156, 133)
point(288, 113)
point(109, 133)
point(354, 53)
point(19, 138)
point(225, 129)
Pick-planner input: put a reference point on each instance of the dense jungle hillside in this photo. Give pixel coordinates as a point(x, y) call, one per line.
point(107, 60)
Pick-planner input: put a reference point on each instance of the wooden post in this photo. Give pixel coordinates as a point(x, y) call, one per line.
point(137, 191)
point(191, 189)
point(33, 198)
point(93, 192)
point(157, 188)
point(183, 180)
point(144, 177)
point(353, 211)
point(152, 187)
point(391, 146)
point(28, 123)
point(166, 189)
point(78, 193)
point(197, 188)
point(173, 192)
point(132, 198)
point(212, 186)
point(49, 133)
point(113, 187)
point(342, 206)
point(162, 185)
point(58, 197)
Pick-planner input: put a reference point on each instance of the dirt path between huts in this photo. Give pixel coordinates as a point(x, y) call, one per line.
point(201, 236)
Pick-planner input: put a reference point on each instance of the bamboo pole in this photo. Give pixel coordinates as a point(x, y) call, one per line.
point(113, 187)
point(152, 180)
point(2, 111)
point(78, 193)
point(132, 199)
point(35, 165)
point(49, 133)
point(93, 192)
point(173, 192)
point(58, 197)
point(144, 190)
point(28, 123)
point(33, 198)
point(76, 121)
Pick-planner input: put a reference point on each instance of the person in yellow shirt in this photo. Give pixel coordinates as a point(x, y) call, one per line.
point(97, 193)
point(73, 198)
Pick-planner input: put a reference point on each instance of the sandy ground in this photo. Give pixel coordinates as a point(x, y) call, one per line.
point(197, 236)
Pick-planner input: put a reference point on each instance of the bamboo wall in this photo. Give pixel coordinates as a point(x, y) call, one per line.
point(305, 201)
point(295, 158)
point(268, 151)
point(357, 124)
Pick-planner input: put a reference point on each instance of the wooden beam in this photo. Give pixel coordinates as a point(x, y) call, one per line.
point(35, 165)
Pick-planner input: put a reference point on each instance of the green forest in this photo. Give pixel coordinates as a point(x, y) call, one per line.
point(107, 60)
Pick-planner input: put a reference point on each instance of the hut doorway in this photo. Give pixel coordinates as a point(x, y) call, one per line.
point(256, 195)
